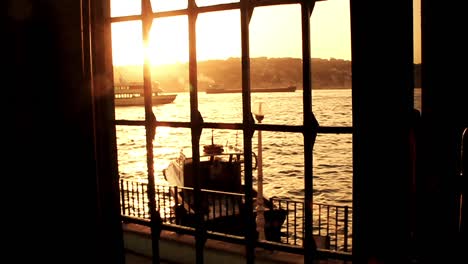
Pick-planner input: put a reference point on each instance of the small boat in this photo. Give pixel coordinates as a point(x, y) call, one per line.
point(216, 89)
point(223, 202)
point(132, 94)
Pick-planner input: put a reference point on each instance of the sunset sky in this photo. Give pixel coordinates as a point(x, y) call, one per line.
point(274, 32)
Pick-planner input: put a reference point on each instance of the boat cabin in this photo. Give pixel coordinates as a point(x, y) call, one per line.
point(216, 173)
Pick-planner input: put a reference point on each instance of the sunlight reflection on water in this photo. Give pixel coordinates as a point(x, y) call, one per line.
point(282, 152)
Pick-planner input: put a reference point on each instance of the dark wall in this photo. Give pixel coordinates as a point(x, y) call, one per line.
point(444, 116)
point(406, 189)
point(52, 201)
point(381, 35)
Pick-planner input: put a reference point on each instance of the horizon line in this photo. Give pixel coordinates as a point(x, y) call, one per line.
point(231, 58)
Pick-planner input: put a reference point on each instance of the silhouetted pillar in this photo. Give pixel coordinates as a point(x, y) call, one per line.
point(444, 114)
point(382, 82)
point(97, 54)
point(54, 211)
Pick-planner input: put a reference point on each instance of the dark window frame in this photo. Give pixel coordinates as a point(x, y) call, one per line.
point(309, 129)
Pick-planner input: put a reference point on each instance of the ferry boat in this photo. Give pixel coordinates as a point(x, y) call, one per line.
point(132, 94)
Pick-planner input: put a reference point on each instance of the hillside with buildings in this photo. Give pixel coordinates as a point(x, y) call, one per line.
point(265, 72)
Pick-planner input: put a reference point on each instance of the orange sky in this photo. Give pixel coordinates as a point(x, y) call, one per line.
point(274, 32)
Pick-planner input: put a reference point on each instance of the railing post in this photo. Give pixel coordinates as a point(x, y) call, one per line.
point(260, 220)
point(122, 196)
point(346, 229)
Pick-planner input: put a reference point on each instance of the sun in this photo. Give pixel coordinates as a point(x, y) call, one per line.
point(168, 42)
point(217, 34)
point(274, 32)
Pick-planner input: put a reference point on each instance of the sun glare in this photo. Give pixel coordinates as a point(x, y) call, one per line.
point(169, 40)
point(218, 35)
point(127, 43)
point(274, 32)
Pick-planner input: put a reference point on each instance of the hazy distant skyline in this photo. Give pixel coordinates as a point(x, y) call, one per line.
point(274, 32)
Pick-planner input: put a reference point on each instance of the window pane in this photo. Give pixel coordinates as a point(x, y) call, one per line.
point(216, 48)
point(127, 43)
point(333, 169)
point(282, 164)
point(125, 7)
point(275, 32)
point(214, 2)
point(131, 148)
point(127, 57)
point(332, 107)
point(275, 40)
point(168, 5)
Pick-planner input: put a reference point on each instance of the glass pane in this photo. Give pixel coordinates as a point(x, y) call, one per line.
point(418, 99)
point(168, 145)
point(282, 108)
point(417, 30)
point(417, 54)
point(214, 2)
point(221, 108)
point(127, 43)
point(219, 65)
point(332, 107)
point(218, 35)
point(331, 63)
point(168, 5)
point(276, 67)
point(125, 7)
point(178, 110)
point(333, 169)
point(330, 32)
point(275, 32)
point(168, 51)
point(131, 145)
point(127, 56)
point(171, 143)
point(169, 40)
point(230, 140)
point(282, 162)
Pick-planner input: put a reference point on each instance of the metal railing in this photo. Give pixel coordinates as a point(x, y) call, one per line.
point(331, 223)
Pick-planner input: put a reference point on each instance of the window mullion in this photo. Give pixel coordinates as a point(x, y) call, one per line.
point(196, 120)
point(309, 130)
point(246, 14)
point(150, 126)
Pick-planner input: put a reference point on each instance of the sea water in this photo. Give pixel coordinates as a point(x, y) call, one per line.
point(283, 155)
